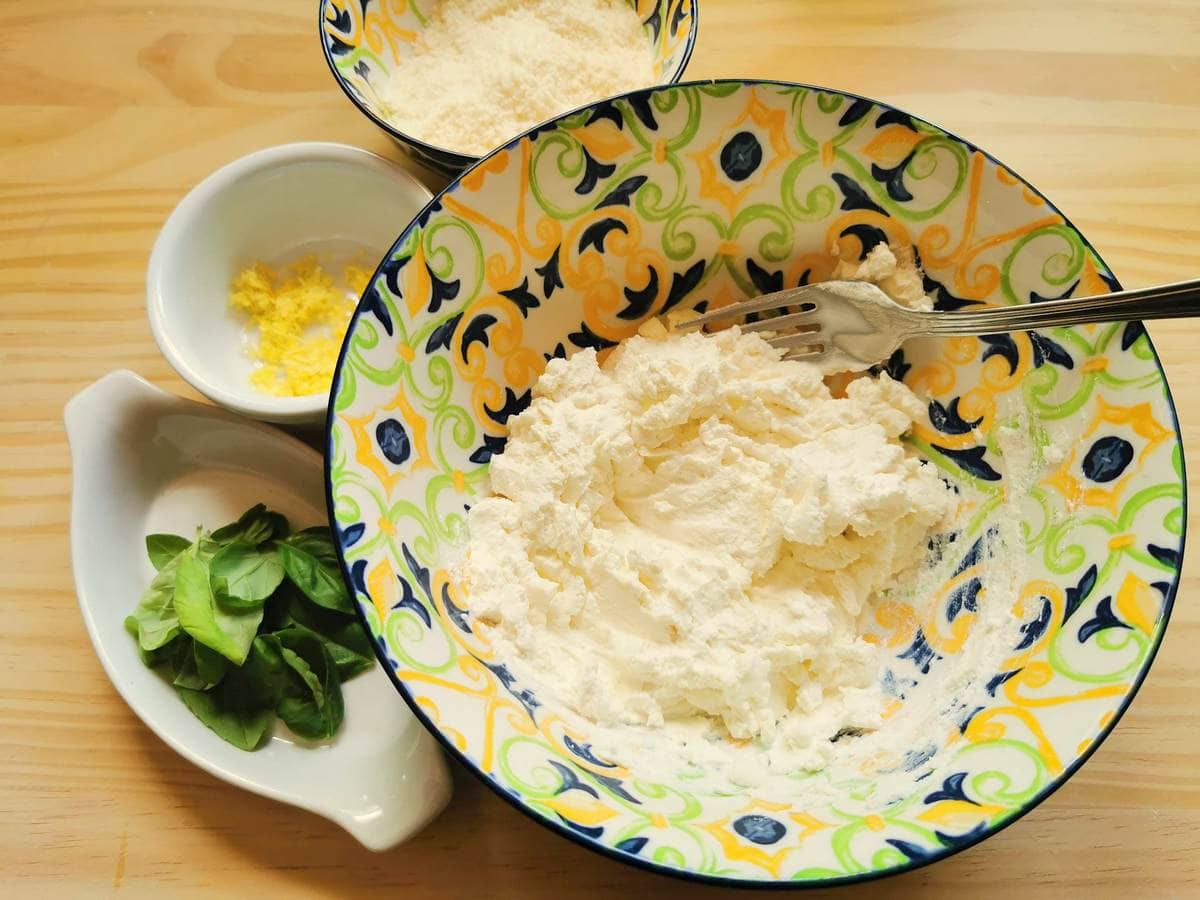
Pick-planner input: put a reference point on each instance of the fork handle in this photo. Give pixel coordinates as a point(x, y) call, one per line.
point(1166, 301)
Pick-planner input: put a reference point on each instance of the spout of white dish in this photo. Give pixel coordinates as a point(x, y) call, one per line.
point(90, 415)
point(385, 821)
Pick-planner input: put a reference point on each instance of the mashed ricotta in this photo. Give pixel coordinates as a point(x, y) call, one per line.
point(687, 535)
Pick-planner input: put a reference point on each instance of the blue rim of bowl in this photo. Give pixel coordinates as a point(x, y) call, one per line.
point(466, 160)
point(684, 874)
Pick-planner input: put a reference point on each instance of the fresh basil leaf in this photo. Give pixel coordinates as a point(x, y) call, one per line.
point(186, 675)
point(349, 665)
point(206, 547)
point(242, 727)
point(228, 631)
point(316, 715)
point(162, 548)
point(265, 674)
point(316, 541)
point(276, 610)
point(321, 582)
point(160, 656)
point(351, 656)
point(245, 575)
point(211, 666)
point(254, 526)
point(322, 532)
point(312, 701)
point(152, 659)
point(345, 639)
point(155, 617)
point(240, 690)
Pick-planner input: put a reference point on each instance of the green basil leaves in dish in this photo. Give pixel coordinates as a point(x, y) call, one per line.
point(246, 575)
point(315, 576)
point(162, 548)
point(221, 626)
point(252, 622)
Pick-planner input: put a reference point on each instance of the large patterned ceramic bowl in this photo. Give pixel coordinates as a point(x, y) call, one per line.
point(364, 40)
point(575, 233)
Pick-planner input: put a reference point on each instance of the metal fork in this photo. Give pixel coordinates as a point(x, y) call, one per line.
point(846, 326)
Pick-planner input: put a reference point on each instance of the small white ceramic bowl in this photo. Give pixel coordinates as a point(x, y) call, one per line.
point(274, 206)
point(145, 461)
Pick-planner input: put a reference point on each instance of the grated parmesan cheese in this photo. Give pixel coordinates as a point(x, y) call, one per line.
point(483, 71)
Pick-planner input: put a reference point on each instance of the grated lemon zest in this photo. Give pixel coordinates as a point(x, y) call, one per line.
point(300, 320)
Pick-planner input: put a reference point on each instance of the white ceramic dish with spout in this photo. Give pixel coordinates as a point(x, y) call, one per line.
point(147, 461)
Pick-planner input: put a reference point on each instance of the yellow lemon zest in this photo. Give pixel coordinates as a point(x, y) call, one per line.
point(300, 320)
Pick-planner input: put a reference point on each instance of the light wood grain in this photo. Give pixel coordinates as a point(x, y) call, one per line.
point(110, 111)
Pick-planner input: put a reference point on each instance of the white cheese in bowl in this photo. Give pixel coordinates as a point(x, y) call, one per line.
point(689, 534)
point(483, 71)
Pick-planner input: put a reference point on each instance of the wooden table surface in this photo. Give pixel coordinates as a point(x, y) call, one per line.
point(111, 109)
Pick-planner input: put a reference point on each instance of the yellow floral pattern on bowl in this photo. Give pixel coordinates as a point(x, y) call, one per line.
point(697, 195)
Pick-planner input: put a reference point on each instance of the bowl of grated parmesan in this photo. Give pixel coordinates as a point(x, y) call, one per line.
point(453, 79)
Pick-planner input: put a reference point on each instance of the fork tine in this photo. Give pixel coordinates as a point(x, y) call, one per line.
point(791, 320)
point(810, 353)
point(777, 300)
point(797, 339)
